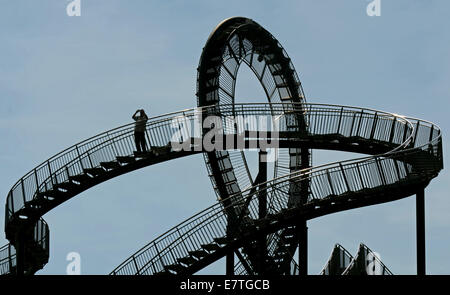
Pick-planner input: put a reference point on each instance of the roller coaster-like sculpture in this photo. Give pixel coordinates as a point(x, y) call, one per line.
point(257, 224)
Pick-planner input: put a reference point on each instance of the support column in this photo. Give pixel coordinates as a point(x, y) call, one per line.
point(420, 231)
point(230, 264)
point(302, 228)
point(20, 254)
point(262, 201)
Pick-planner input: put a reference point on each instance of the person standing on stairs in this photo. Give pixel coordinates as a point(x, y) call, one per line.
point(139, 130)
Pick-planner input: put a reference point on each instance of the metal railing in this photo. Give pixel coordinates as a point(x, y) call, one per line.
point(7, 259)
point(109, 145)
point(339, 257)
point(327, 182)
point(351, 122)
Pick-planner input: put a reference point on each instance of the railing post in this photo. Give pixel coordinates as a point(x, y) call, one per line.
point(374, 125)
point(415, 133)
point(67, 171)
point(359, 123)
point(360, 176)
point(397, 169)
point(135, 265)
point(330, 182)
point(50, 173)
point(159, 256)
point(351, 126)
point(182, 240)
point(23, 191)
point(430, 146)
point(382, 176)
point(340, 119)
point(89, 158)
point(405, 132)
point(36, 179)
point(79, 157)
point(391, 133)
point(344, 176)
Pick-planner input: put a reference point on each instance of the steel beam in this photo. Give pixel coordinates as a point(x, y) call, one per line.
point(420, 228)
point(262, 208)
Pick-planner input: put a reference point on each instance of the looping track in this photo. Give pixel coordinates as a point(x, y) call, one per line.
point(404, 155)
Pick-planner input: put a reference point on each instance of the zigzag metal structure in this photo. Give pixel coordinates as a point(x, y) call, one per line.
point(366, 262)
point(259, 221)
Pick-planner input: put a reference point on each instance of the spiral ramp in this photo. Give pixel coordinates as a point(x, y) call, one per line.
point(260, 221)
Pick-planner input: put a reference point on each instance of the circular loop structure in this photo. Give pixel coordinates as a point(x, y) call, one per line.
point(260, 221)
point(235, 41)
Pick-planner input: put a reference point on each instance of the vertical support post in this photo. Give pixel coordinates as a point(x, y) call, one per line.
point(262, 210)
point(229, 264)
point(20, 254)
point(262, 194)
point(420, 228)
point(302, 228)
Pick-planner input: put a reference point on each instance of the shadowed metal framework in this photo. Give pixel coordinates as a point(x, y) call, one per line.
point(261, 222)
point(366, 262)
point(240, 40)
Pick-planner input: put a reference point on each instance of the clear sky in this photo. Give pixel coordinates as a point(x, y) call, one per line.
point(64, 79)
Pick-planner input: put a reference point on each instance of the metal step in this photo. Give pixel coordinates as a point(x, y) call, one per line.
point(211, 247)
point(198, 253)
point(37, 202)
point(67, 186)
point(49, 195)
point(126, 159)
point(175, 267)
point(222, 240)
point(94, 171)
point(110, 165)
point(80, 178)
point(187, 260)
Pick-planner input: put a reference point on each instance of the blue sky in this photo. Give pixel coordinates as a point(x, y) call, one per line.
point(64, 79)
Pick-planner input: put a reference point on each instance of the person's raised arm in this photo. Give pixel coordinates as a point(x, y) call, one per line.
point(134, 116)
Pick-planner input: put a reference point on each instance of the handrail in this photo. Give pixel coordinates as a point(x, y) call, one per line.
point(24, 190)
point(381, 160)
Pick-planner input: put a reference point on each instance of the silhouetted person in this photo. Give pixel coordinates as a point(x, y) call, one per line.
point(139, 130)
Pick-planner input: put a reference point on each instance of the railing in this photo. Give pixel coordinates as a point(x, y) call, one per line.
point(41, 235)
point(160, 131)
point(344, 258)
point(323, 119)
point(7, 259)
point(327, 181)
